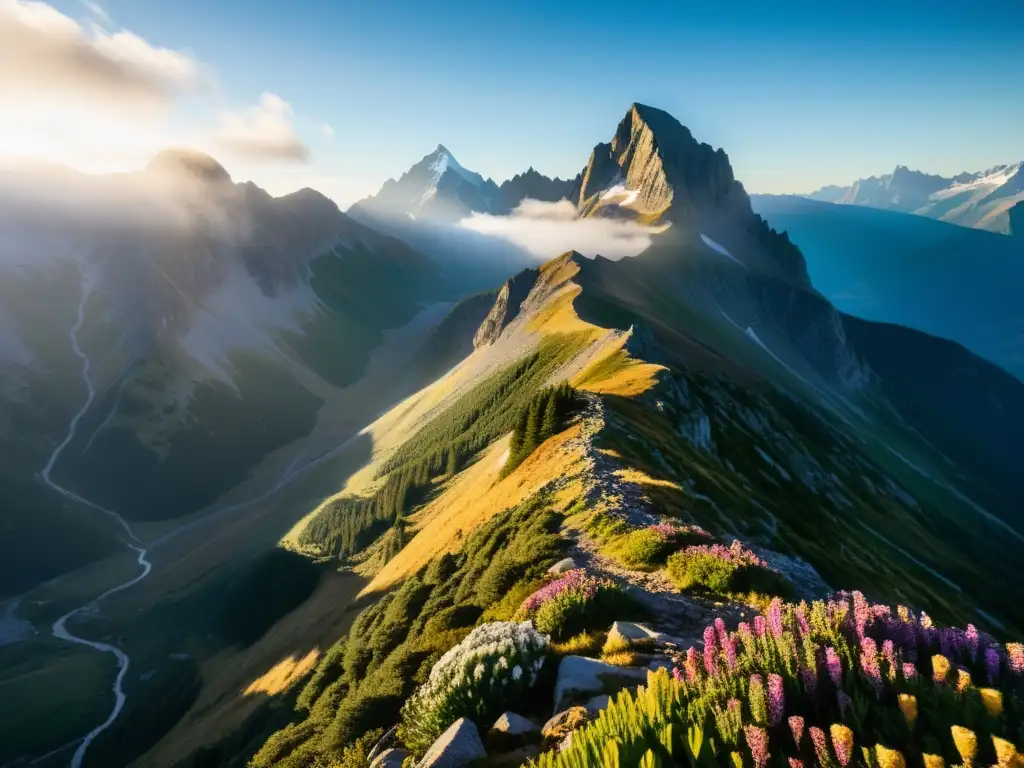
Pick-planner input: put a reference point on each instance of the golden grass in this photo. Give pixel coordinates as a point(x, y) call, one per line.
point(280, 677)
point(635, 476)
point(477, 494)
point(616, 373)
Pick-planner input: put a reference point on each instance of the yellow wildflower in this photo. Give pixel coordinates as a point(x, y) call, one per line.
point(993, 701)
point(933, 761)
point(737, 759)
point(889, 758)
point(963, 680)
point(1006, 752)
point(908, 706)
point(904, 613)
point(940, 667)
point(842, 742)
point(966, 743)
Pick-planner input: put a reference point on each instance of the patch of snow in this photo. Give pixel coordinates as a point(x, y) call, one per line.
point(720, 249)
point(990, 180)
point(239, 316)
point(445, 162)
point(619, 190)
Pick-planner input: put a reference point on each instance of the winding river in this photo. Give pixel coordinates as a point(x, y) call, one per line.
point(59, 628)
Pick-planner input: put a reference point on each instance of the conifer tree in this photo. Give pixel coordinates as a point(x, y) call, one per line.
point(453, 461)
point(533, 428)
point(552, 418)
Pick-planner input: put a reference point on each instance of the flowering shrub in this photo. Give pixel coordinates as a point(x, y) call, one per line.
point(724, 569)
point(837, 683)
point(572, 603)
point(646, 547)
point(487, 673)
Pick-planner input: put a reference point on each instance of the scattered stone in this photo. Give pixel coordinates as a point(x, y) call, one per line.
point(582, 675)
point(562, 566)
point(657, 664)
point(389, 758)
point(561, 725)
point(597, 703)
point(457, 746)
point(511, 731)
point(384, 742)
point(639, 634)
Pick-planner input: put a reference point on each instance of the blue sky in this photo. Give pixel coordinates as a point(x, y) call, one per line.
point(797, 98)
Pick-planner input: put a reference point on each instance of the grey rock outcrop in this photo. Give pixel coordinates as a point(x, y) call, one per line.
point(459, 745)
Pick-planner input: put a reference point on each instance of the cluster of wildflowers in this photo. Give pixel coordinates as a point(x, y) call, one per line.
point(489, 671)
point(567, 604)
point(723, 569)
point(676, 535)
point(835, 683)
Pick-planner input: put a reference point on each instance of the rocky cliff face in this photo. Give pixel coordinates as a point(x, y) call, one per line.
point(670, 177)
point(537, 186)
point(506, 307)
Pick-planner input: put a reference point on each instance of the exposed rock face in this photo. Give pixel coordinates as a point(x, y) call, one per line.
point(537, 186)
point(678, 180)
point(458, 746)
point(506, 307)
point(579, 676)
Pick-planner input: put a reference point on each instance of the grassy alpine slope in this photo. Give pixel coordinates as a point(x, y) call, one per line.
point(684, 445)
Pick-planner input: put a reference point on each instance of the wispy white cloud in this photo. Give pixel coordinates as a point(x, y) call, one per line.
point(548, 229)
point(327, 130)
point(45, 55)
point(262, 132)
point(98, 12)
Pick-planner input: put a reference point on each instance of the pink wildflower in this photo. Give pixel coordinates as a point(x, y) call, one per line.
point(690, 667)
point(796, 725)
point(889, 653)
point(775, 617)
point(834, 666)
point(801, 620)
point(861, 613)
point(721, 631)
point(760, 626)
point(757, 740)
point(1015, 655)
point(909, 670)
point(869, 663)
point(795, 762)
point(575, 580)
point(973, 640)
point(820, 745)
point(776, 699)
point(730, 652)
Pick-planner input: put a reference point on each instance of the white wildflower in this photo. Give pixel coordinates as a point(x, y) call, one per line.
point(517, 672)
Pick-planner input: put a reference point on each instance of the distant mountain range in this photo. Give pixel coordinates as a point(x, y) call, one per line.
point(955, 282)
point(981, 199)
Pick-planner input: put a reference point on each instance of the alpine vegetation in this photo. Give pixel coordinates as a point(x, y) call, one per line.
point(835, 683)
point(573, 603)
point(493, 668)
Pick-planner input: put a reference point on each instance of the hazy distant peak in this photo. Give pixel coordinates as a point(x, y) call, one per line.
point(190, 163)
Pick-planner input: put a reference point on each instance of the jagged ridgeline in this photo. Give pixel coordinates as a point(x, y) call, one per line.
point(344, 526)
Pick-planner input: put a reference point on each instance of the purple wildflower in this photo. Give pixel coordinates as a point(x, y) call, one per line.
point(757, 740)
point(796, 725)
point(721, 631)
point(809, 678)
point(775, 617)
point(947, 643)
point(973, 640)
point(711, 659)
point(834, 666)
point(992, 664)
point(575, 580)
point(776, 699)
point(820, 745)
point(760, 626)
point(730, 652)
point(801, 620)
point(843, 701)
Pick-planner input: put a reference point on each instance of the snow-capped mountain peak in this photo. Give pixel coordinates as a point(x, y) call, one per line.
point(444, 161)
